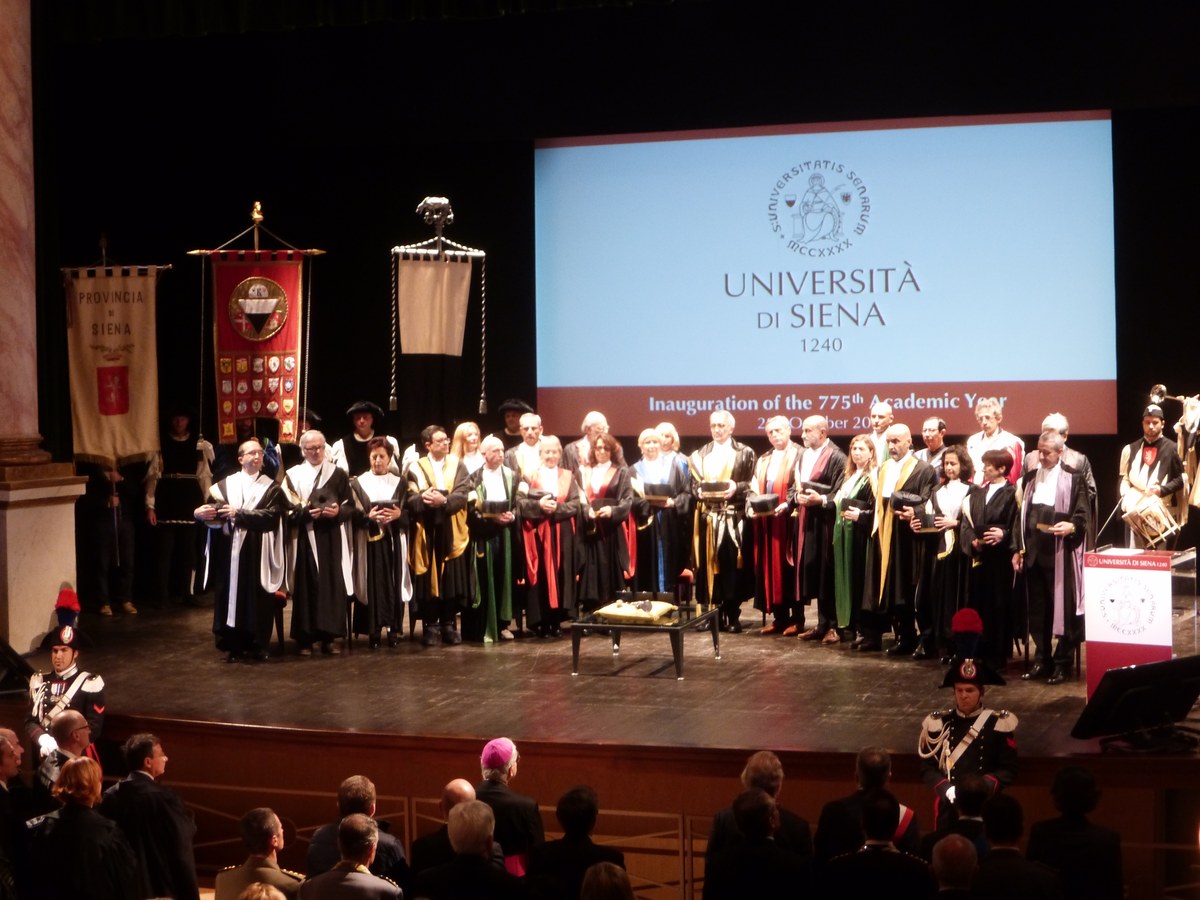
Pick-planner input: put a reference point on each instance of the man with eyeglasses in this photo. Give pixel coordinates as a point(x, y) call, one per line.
point(321, 538)
point(73, 734)
point(443, 571)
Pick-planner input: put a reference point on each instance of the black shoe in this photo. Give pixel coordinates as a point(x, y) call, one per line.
point(903, 648)
point(868, 646)
point(1038, 672)
point(232, 656)
point(450, 635)
point(373, 642)
point(260, 656)
point(393, 638)
point(1059, 675)
point(430, 636)
point(923, 652)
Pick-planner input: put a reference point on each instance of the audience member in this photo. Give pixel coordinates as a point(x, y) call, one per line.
point(763, 771)
point(259, 890)
point(262, 833)
point(606, 881)
point(159, 826)
point(470, 874)
point(12, 828)
point(1086, 856)
point(558, 866)
point(518, 821)
point(434, 848)
point(755, 865)
point(973, 791)
point(357, 795)
point(1005, 873)
point(351, 878)
point(954, 864)
point(78, 853)
point(72, 734)
point(839, 830)
point(878, 868)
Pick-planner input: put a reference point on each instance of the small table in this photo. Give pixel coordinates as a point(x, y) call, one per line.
point(679, 621)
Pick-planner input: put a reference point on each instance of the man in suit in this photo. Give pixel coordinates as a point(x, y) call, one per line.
point(470, 874)
point(262, 833)
point(72, 733)
point(559, 865)
point(839, 830)
point(434, 849)
point(763, 771)
point(154, 818)
point(1005, 873)
point(954, 865)
point(351, 878)
point(518, 823)
point(756, 866)
point(357, 795)
point(1086, 856)
point(878, 869)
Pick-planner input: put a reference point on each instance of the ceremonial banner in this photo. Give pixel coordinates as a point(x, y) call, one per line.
point(432, 304)
point(1127, 609)
point(114, 363)
point(258, 312)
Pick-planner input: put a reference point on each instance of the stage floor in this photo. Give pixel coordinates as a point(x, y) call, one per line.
point(764, 691)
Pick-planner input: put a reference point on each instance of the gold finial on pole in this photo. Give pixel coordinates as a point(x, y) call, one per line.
point(256, 216)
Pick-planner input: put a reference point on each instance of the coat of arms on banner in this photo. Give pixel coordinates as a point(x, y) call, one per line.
point(273, 364)
point(258, 308)
point(289, 363)
point(272, 385)
point(289, 384)
point(257, 384)
point(288, 405)
point(226, 365)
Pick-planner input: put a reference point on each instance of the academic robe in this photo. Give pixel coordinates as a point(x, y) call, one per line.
point(497, 552)
point(382, 580)
point(814, 535)
point(775, 536)
point(246, 561)
point(443, 569)
point(944, 586)
point(322, 577)
point(991, 572)
point(894, 549)
point(723, 561)
point(607, 567)
point(161, 831)
point(78, 853)
point(850, 542)
point(552, 551)
point(662, 532)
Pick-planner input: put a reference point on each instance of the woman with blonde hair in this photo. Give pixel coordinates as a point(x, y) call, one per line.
point(76, 852)
point(465, 446)
point(662, 504)
point(855, 502)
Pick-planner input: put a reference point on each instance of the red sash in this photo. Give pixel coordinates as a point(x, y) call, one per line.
point(770, 531)
point(540, 536)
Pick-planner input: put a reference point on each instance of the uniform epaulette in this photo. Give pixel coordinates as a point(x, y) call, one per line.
point(933, 722)
point(35, 680)
point(1006, 721)
point(93, 683)
point(292, 874)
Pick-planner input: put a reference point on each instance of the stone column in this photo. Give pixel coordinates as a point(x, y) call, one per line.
point(37, 496)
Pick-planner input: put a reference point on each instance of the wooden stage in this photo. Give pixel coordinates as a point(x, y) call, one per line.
point(664, 754)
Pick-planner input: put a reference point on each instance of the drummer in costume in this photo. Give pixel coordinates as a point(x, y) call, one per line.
point(319, 544)
point(443, 569)
point(968, 737)
point(662, 507)
point(492, 517)
point(351, 453)
point(722, 560)
point(549, 513)
point(1150, 467)
point(244, 554)
point(1048, 548)
point(769, 507)
point(65, 687)
point(382, 581)
point(819, 473)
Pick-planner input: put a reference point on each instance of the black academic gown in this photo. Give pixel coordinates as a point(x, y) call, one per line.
point(606, 562)
point(319, 592)
point(991, 587)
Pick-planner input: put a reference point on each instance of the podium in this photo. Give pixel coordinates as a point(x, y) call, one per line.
point(1127, 608)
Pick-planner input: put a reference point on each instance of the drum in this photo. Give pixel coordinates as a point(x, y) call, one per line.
point(1148, 517)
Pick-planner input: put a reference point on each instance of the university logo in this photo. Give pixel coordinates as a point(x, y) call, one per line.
point(1127, 607)
point(819, 208)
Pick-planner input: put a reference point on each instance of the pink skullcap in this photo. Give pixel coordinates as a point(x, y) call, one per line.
point(498, 753)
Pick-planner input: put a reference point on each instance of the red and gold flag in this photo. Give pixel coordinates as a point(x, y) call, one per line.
point(258, 314)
